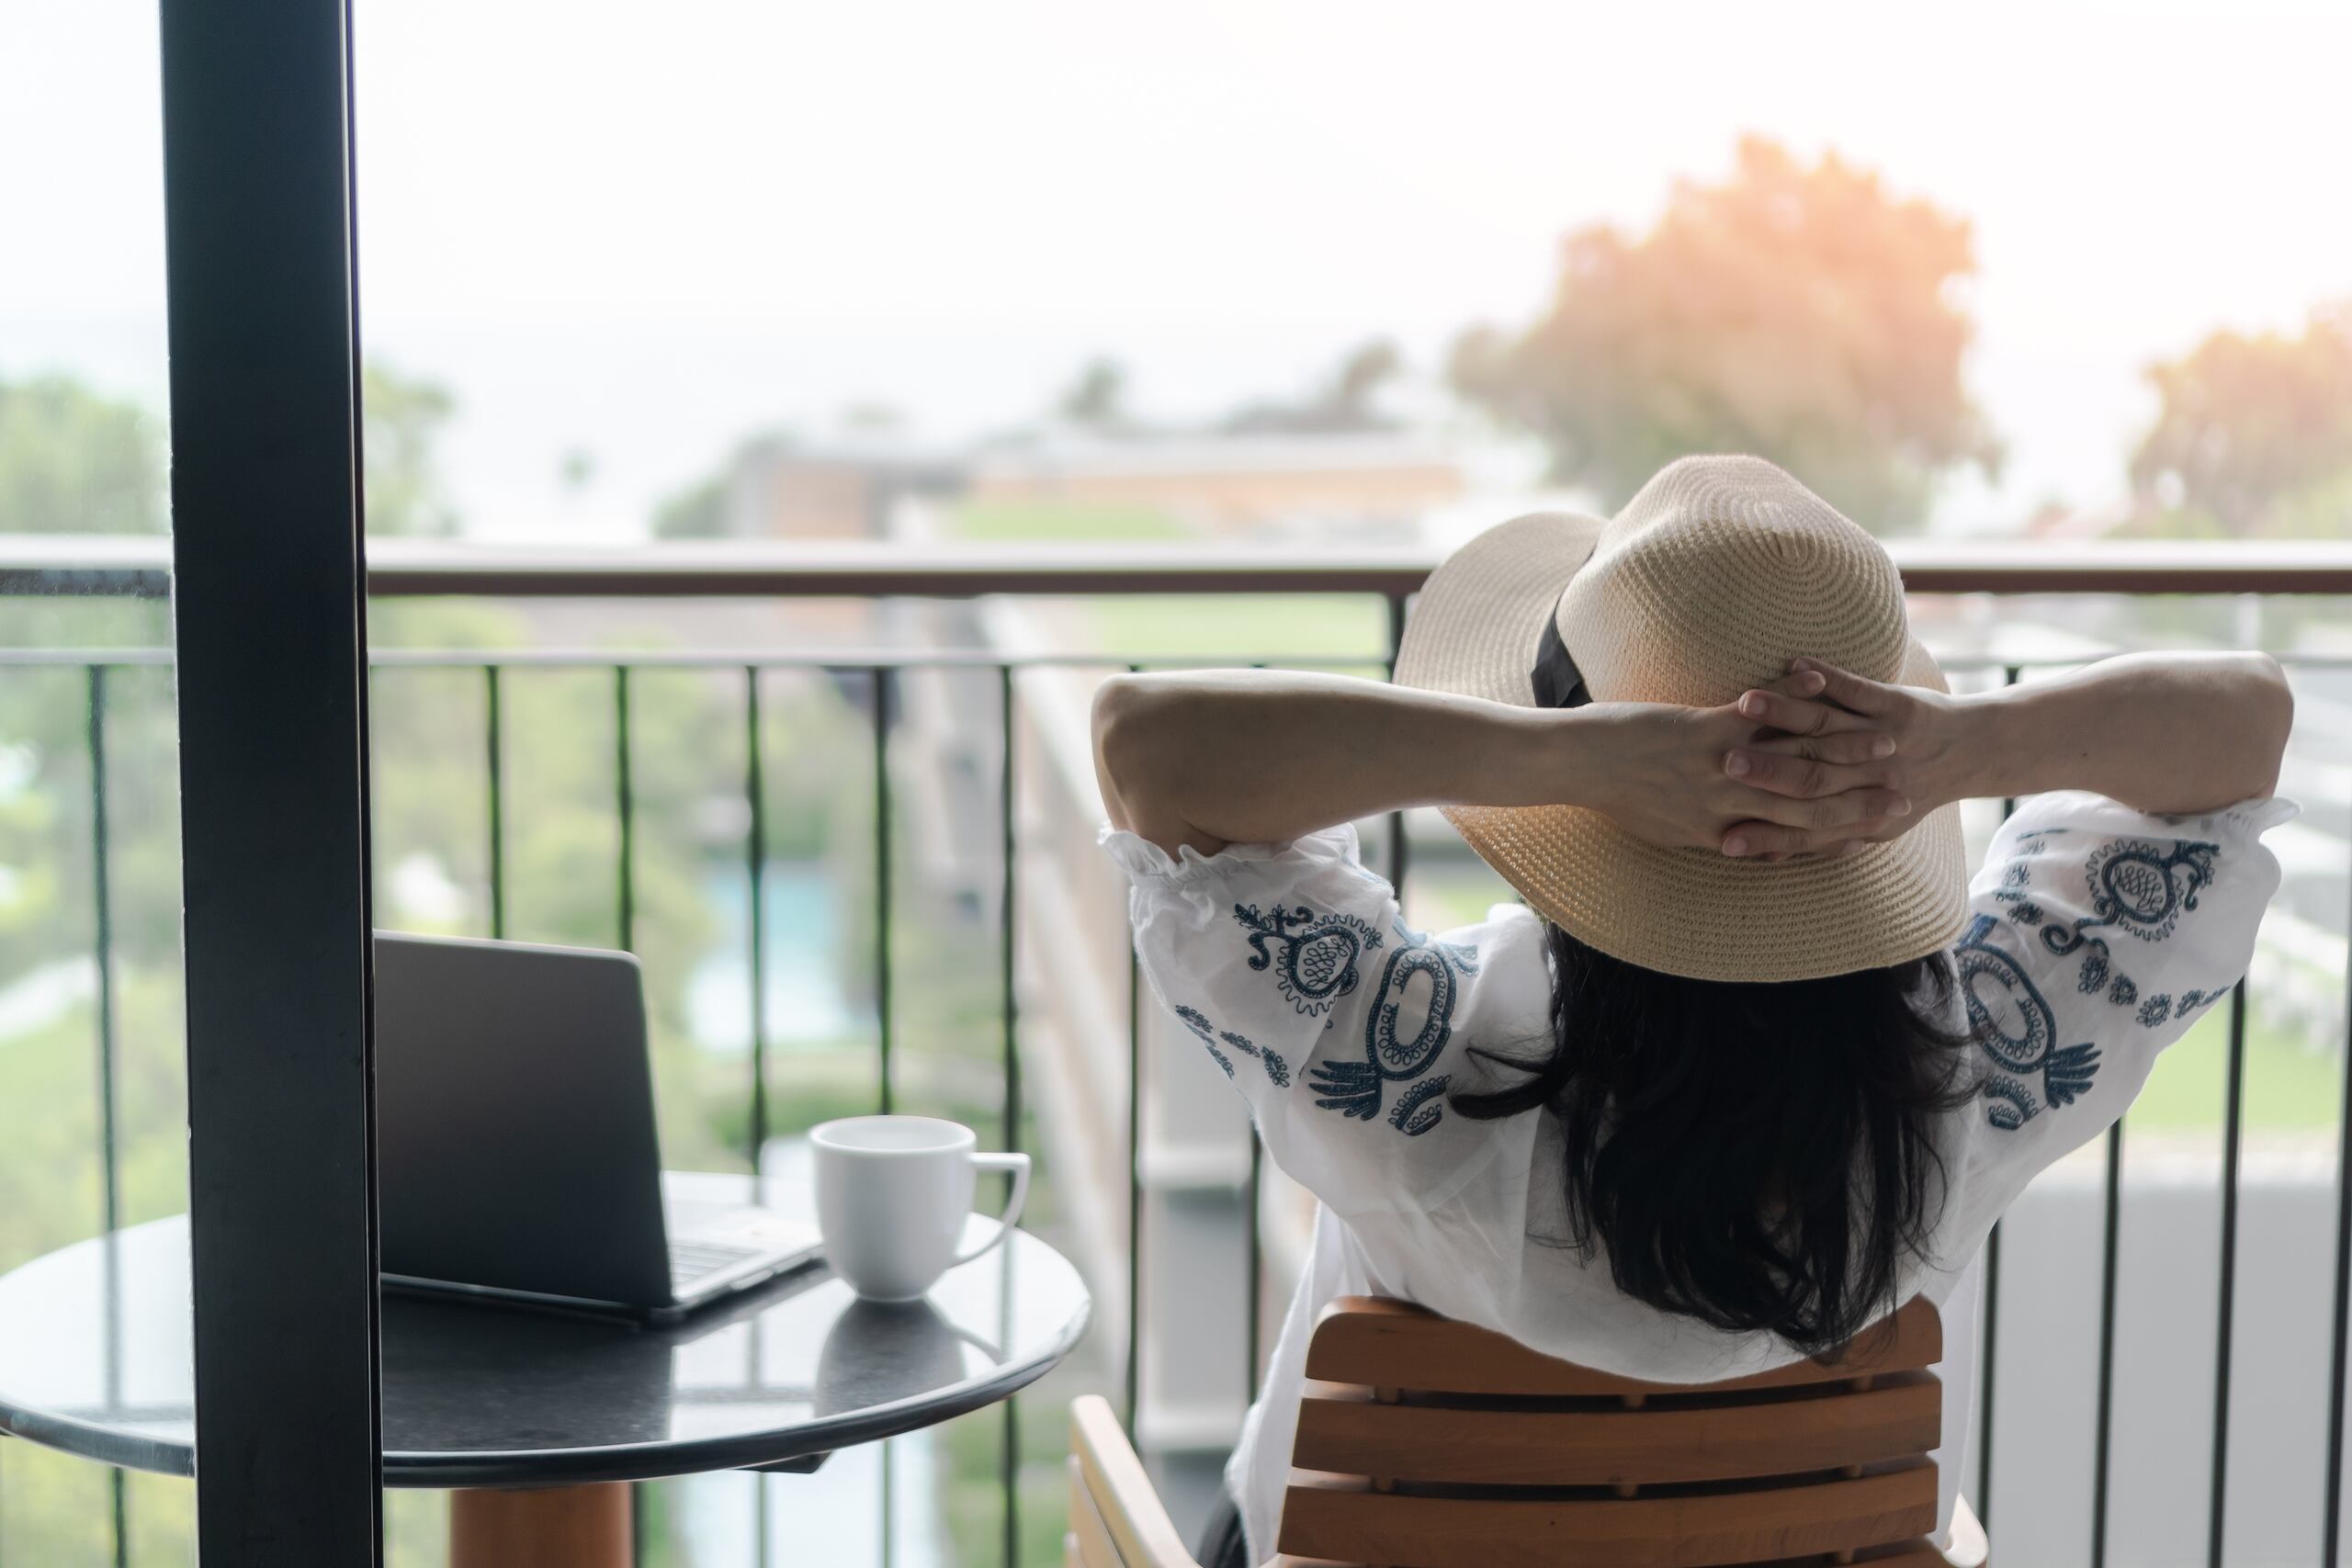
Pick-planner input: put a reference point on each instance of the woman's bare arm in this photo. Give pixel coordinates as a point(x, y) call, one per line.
point(2164, 732)
point(1219, 757)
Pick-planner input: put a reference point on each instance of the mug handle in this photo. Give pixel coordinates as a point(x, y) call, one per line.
point(1018, 1165)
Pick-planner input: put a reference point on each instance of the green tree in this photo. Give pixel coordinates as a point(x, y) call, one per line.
point(1348, 400)
point(402, 420)
point(1097, 399)
point(698, 512)
point(2253, 435)
point(72, 461)
point(1807, 315)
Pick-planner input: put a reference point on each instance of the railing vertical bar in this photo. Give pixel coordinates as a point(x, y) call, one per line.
point(2339, 1327)
point(755, 852)
point(1011, 1458)
point(1254, 1259)
point(1134, 1175)
point(1256, 1272)
point(2010, 675)
point(1399, 846)
point(102, 953)
point(2104, 1431)
point(2233, 1114)
point(882, 913)
point(102, 950)
point(493, 750)
point(625, 805)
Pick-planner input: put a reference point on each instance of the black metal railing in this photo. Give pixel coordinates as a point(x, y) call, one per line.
point(1392, 581)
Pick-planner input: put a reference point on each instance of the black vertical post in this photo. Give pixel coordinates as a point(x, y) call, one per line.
point(2330, 1533)
point(494, 755)
point(2102, 1436)
point(1398, 849)
point(269, 607)
point(1135, 1174)
point(1254, 1266)
point(882, 910)
point(102, 953)
point(1012, 1453)
point(1984, 1499)
point(624, 807)
point(2234, 1112)
point(755, 855)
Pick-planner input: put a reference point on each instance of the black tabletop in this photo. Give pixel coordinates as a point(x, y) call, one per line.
point(95, 1360)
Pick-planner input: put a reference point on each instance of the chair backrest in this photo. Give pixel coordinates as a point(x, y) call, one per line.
point(1115, 1517)
point(1426, 1443)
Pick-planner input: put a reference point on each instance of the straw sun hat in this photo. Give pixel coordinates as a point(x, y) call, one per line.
point(1709, 581)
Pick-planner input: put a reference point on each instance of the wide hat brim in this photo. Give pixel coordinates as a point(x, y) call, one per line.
point(1476, 629)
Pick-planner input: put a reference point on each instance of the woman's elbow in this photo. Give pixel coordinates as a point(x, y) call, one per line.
point(1121, 734)
point(2268, 705)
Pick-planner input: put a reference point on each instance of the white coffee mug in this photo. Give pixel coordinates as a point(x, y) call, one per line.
point(892, 1196)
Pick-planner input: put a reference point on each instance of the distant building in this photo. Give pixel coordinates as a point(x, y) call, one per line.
point(1354, 482)
point(778, 489)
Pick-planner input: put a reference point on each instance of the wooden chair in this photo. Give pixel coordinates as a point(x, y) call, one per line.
point(1424, 1443)
point(1115, 1517)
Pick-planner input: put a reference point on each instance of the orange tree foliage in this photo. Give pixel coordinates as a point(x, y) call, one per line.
point(2254, 434)
point(1803, 314)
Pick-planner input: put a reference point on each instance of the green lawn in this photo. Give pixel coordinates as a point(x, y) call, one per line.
point(1240, 626)
point(2288, 1087)
point(1062, 522)
point(1244, 626)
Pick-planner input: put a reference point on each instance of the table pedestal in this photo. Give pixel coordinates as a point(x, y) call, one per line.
point(540, 1527)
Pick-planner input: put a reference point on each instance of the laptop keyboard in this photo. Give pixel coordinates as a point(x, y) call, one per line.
point(692, 1260)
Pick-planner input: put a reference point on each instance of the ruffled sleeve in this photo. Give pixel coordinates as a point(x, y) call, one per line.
point(1291, 967)
point(2097, 935)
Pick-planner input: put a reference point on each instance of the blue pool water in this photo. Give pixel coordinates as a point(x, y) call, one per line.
point(806, 955)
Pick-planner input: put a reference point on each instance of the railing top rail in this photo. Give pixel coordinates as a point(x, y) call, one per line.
point(140, 567)
point(841, 660)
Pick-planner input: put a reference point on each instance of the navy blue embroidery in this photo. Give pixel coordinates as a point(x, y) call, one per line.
point(2155, 1009)
point(2139, 887)
point(1197, 1021)
point(1414, 1115)
point(2015, 1027)
point(1317, 965)
point(1276, 1068)
point(2134, 884)
point(1353, 1089)
point(2201, 999)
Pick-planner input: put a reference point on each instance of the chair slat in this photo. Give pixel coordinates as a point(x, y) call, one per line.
point(1112, 1478)
point(1089, 1533)
point(1342, 1519)
point(1375, 1342)
point(1352, 1434)
point(1919, 1553)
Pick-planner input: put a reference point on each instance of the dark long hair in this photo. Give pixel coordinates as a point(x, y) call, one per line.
point(1755, 1157)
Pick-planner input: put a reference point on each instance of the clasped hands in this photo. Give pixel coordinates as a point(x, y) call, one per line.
point(1820, 762)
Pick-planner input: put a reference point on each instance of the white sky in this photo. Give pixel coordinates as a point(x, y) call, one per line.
point(645, 229)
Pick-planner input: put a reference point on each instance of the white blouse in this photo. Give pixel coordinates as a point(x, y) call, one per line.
point(2097, 934)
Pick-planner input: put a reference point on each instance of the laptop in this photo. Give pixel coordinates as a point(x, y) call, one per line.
point(515, 1151)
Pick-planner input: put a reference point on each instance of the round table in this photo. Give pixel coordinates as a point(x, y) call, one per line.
point(538, 1421)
